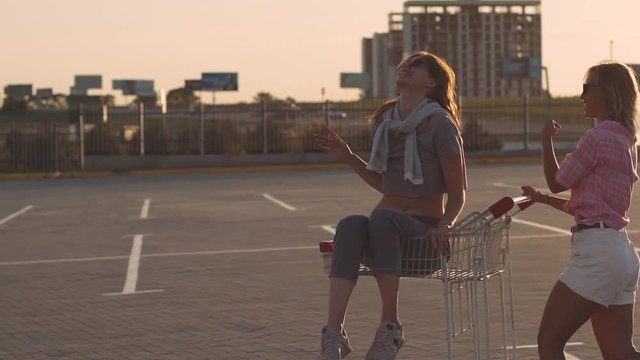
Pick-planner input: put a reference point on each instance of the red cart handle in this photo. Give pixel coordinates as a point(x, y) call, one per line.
point(505, 204)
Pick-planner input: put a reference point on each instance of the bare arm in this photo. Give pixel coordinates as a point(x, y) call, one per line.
point(453, 177)
point(539, 197)
point(549, 159)
point(333, 144)
point(452, 170)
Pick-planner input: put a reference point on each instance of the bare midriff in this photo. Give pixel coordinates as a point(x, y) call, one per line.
point(421, 206)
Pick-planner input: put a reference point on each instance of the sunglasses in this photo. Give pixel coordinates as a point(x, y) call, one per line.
point(413, 62)
point(416, 61)
point(587, 87)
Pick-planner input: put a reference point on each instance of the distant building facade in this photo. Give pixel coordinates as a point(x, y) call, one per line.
point(494, 46)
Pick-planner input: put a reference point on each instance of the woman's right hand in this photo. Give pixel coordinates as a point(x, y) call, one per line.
point(332, 143)
point(536, 195)
point(551, 128)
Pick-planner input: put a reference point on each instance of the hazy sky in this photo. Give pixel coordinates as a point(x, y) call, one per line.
point(286, 47)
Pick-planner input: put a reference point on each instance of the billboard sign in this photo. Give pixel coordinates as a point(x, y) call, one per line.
point(76, 91)
point(195, 85)
point(86, 82)
point(44, 94)
point(522, 68)
point(355, 80)
point(220, 81)
point(134, 87)
point(18, 91)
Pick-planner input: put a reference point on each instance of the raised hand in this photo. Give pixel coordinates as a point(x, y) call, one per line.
point(551, 128)
point(332, 143)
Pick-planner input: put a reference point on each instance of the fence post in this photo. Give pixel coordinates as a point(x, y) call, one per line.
point(81, 136)
point(263, 117)
point(141, 125)
point(526, 122)
point(326, 113)
point(55, 149)
point(201, 131)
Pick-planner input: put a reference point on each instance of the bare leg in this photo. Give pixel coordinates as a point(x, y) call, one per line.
point(564, 314)
point(389, 286)
point(340, 290)
point(613, 327)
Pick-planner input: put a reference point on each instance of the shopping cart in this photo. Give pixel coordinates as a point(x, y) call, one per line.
point(479, 251)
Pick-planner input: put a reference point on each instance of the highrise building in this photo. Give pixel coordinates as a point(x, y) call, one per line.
point(494, 46)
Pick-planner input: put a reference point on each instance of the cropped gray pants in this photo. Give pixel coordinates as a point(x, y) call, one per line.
point(381, 236)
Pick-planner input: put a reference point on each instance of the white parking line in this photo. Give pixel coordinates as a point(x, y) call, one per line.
point(568, 356)
point(328, 228)
point(279, 202)
point(133, 269)
point(536, 346)
point(144, 213)
point(16, 214)
point(503, 185)
point(519, 237)
point(54, 261)
point(542, 226)
point(194, 253)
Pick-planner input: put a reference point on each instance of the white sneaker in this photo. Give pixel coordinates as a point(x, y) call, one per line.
point(335, 345)
point(387, 342)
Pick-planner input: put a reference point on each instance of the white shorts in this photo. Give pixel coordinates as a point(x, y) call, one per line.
point(603, 267)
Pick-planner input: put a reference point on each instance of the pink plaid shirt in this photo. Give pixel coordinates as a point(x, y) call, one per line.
point(601, 172)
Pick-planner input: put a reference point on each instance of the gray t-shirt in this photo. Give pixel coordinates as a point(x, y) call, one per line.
point(438, 138)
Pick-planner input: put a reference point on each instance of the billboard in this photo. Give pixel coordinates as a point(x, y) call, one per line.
point(220, 81)
point(195, 85)
point(85, 82)
point(76, 91)
point(355, 80)
point(521, 68)
point(134, 87)
point(44, 94)
point(18, 91)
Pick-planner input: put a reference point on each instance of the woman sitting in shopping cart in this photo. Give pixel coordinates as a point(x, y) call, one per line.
point(599, 282)
point(417, 157)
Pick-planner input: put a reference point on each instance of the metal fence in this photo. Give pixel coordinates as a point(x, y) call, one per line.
point(60, 144)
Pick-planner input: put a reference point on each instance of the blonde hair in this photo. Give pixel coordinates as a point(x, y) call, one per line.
point(445, 91)
point(619, 84)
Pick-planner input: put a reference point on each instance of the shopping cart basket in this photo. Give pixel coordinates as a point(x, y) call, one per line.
point(479, 251)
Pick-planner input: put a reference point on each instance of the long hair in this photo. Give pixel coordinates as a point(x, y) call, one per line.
point(444, 92)
point(619, 85)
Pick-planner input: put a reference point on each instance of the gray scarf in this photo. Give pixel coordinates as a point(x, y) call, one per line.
point(391, 121)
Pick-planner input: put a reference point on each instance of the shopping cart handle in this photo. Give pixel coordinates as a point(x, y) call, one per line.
point(505, 204)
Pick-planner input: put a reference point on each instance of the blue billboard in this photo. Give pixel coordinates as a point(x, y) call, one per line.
point(220, 81)
point(134, 87)
point(18, 91)
point(355, 80)
point(522, 68)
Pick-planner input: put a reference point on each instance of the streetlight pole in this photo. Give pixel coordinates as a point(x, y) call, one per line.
point(546, 81)
point(611, 49)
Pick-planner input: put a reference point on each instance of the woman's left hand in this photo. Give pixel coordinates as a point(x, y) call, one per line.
point(439, 237)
